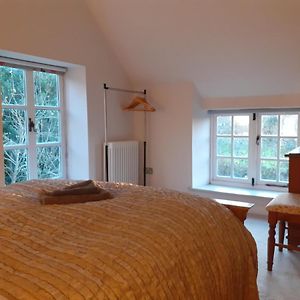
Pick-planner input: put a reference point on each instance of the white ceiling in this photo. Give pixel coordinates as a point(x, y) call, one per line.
point(227, 48)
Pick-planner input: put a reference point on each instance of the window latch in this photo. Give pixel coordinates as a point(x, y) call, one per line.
point(258, 140)
point(31, 125)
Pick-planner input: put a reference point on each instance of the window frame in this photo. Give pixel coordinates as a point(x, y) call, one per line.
point(260, 181)
point(30, 111)
point(254, 150)
point(214, 177)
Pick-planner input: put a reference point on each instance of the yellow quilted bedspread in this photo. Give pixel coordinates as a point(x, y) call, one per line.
point(143, 244)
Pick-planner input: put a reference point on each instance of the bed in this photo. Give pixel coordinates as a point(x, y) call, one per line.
point(145, 243)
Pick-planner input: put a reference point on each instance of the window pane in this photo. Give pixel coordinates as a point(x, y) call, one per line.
point(223, 146)
point(241, 125)
point(289, 125)
point(286, 145)
point(240, 168)
point(224, 124)
point(12, 82)
point(284, 171)
point(47, 126)
point(268, 170)
point(14, 127)
point(269, 147)
point(224, 167)
point(240, 147)
point(45, 89)
point(48, 162)
point(269, 125)
point(15, 165)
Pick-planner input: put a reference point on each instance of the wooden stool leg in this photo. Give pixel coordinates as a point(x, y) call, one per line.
point(289, 239)
point(281, 234)
point(271, 240)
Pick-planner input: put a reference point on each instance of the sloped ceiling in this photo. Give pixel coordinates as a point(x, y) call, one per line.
point(227, 48)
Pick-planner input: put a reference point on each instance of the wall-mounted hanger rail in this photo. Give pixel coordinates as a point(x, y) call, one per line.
point(124, 90)
point(137, 104)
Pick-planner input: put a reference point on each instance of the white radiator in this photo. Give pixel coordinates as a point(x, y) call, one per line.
point(122, 160)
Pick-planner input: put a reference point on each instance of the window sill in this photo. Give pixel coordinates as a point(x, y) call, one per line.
point(230, 191)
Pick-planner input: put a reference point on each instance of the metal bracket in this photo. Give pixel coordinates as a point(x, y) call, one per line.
point(31, 125)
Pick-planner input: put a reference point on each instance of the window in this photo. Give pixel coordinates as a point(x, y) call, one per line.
point(32, 124)
point(249, 148)
point(232, 139)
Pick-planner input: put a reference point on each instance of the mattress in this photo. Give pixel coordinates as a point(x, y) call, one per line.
point(145, 243)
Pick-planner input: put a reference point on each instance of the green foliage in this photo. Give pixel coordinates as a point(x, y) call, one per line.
point(240, 168)
point(47, 123)
point(12, 86)
point(287, 145)
point(269, 147)
point(223, 146)
point(48, 162)
point(284, 171)
point(16, 165)
point(268, 170)
point(269, 125)
point(224, 167)
point(45, 89)
point(224, 125)
point(240, 147)
point(14, 130)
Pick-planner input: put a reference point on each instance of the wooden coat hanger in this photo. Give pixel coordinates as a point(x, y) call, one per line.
point(139, 104)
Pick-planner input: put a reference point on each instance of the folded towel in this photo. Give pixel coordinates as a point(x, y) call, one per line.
point(81, 188)
point(68, 199)
point(77, 193)
point(81, 184)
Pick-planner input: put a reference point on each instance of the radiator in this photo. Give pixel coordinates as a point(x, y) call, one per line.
point(122, 159)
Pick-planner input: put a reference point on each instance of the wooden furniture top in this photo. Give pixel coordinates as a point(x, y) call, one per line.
point(293, 235)
point(294, 152)
point(288, 203)
point(239, 204)
point(294, 167)
point(238, 208)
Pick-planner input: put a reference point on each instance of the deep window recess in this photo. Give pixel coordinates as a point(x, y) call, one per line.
point(32, 113)
point(248, 148)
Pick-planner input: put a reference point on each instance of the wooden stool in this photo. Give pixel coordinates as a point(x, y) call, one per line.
point(284, 209)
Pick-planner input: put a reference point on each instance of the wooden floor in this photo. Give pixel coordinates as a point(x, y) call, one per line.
point(284, 281)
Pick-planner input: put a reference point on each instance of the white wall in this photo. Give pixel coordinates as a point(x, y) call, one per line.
point(63, 30)
point(226, 48)
point(170, 135)
point(201, 144)
point(76, 121)
point(270, 101)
